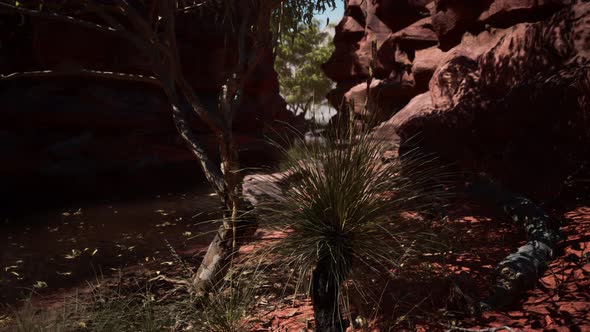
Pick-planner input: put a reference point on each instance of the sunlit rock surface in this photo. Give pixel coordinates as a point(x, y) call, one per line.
point(500, 87)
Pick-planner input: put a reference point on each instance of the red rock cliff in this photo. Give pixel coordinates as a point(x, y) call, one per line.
point(493, 86)
point(84, 127)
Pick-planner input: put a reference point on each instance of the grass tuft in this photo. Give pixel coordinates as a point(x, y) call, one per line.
point(139, 305)
point(348, 209)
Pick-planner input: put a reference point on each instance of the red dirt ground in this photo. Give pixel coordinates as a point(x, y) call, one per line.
point(444, 287)
point(560, 302)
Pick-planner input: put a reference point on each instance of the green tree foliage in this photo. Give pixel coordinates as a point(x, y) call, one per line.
point(291, 13)
point(300, 54)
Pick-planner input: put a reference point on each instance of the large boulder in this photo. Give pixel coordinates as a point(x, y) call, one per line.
point(397, 14)
point(359, 32)
point(504, 13)
point(512, 103)
point(452, 18)
point(424, 65)
point(493, 86)
point(76, 128)
point(379, 39)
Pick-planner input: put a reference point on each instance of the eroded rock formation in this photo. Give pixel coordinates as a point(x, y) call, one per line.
point(493, 86)
point(88, 127)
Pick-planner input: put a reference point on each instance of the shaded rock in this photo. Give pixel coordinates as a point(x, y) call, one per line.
point(424, 65)
point(397, 14)
point(385, 98)
point(495, 108)
point(343, 63)
point(393, 31)
point(452, 18)
point(351, 60)
point(416, 36)
point(454, 81)
point(357, 98)
point(504, 13)
point(511, 102)
point(336, 96)
point(504, 92)
point(259, 189)
point(397, 53)
point(93, 127)
point(418, 108)
point(349, 30)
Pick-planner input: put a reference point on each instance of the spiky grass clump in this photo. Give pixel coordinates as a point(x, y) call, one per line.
point(102, 310)
point(344, 201)
point(31, 319)
point(344, 209)
point(227, 309)
point(133, 310)
point(109, 308)
point(130, 303)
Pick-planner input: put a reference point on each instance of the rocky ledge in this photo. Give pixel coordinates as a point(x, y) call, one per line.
point(494, 86)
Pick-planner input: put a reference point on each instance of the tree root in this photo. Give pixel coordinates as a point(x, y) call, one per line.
point(519, 271)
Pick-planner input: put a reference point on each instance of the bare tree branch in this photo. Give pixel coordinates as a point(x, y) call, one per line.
point(489, 329)
point(213, 119)
point(152, 11)
point(191, 7)
point(107, 17)
point(82, 73)
point(248, 61)
point(168, 69)
point(212, 171)
point(156, 36)
point(164, 65)
point(7, 8)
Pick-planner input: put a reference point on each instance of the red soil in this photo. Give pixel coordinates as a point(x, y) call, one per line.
point(443, 288)
point(428, 299)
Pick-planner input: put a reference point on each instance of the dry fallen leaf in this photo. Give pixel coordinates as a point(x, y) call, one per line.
point(40, 284)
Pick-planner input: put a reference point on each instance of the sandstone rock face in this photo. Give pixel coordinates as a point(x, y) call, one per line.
point(89, 127)
point(451, 18)
point(393, 32)
point(504, 90)
point(503, 13)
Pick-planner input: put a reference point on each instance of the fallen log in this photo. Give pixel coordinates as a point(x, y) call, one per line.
point(519, 271)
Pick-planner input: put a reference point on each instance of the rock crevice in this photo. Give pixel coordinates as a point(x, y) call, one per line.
point(492, 86)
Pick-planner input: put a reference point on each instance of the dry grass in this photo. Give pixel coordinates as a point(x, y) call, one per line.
point(348, 208)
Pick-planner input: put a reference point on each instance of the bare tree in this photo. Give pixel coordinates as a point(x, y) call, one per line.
point(155, 35)
point(150, 26)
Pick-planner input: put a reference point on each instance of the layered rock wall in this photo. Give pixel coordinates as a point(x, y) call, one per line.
point(493, 86)
point(88, 127)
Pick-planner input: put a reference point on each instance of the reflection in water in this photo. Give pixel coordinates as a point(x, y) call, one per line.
point(62, 247)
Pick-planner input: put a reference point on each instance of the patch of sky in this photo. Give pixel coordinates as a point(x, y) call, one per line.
point(331, 16)
point(322, 112)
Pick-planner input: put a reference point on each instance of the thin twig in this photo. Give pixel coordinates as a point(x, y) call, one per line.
point(489, 329)
point(83, 73)
point(6, 8)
